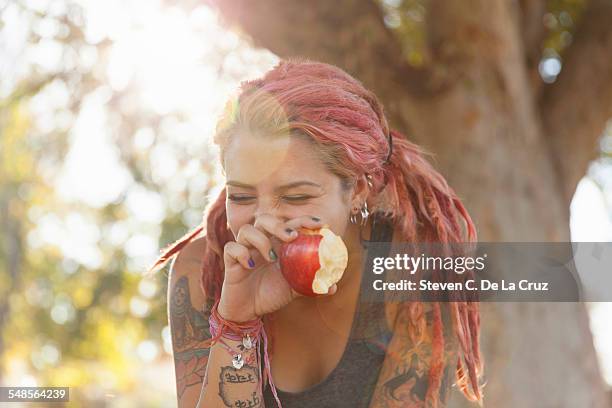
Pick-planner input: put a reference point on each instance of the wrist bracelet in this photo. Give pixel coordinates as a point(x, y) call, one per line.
point(247, 332)
point(237, 359)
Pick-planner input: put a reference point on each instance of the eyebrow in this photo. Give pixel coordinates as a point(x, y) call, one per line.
point(279, 188)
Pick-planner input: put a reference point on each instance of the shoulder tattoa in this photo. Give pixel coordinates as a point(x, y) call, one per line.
point(405, 376)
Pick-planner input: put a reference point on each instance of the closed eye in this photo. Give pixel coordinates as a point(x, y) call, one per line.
point(297, 197)
point(243, 198)
point(236, 198)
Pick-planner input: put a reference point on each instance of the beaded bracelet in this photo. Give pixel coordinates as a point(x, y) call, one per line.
point(247, 332)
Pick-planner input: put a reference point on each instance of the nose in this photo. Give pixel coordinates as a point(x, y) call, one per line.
point(269, 207)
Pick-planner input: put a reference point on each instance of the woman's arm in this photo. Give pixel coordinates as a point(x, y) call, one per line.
point(188, 324)
point(188, 314)
point(229, 386)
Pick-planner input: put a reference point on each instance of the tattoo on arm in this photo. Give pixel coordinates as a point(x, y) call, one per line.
point(190, 369)
point(406, 377)
point(410, 381)
point(233, 389)
point(189, 329)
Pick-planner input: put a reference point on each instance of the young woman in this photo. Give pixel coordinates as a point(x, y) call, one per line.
point(305, 146)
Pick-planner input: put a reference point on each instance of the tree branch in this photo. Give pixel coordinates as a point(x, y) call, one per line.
point(347, 33)
point(475, 36)
point(577, 106)
point(462, 34)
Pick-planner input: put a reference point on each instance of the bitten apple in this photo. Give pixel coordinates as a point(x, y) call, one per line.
point(313, 261)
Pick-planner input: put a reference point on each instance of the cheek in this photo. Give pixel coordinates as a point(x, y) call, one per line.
point(237, 216)
point(336, 215)
point(340, 221)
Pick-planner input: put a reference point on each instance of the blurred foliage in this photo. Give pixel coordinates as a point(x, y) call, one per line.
point(75, 307)
point(406, 18)
point(560, 22)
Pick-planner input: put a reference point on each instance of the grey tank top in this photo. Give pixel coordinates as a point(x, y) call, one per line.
point(351, 383)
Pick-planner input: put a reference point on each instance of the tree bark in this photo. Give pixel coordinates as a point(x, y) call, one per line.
point(530, 16)
point(475, 108)
point(576, 107)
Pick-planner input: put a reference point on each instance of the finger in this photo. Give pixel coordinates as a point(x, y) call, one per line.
point(252, 237)
point(235, 253)
point(332, 289)
point(306, 221)
point(275, 227)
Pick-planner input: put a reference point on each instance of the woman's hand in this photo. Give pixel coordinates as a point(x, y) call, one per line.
point(251, 292)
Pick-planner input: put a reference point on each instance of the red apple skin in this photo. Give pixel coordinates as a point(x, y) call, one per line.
point(299, 261)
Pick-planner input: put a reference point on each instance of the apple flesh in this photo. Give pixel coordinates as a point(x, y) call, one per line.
point(314, 261)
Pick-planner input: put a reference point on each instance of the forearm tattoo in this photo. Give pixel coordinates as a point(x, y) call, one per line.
point(189, 329)
point(239, 387)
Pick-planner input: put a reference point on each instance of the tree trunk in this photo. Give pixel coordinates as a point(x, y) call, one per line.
point(477, 109)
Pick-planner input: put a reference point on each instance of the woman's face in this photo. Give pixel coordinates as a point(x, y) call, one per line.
point(283, 177)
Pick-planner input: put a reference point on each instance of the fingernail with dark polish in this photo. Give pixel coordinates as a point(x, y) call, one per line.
point(251, 263)
point(316, 219)
point(289, 231)
point(273, 255)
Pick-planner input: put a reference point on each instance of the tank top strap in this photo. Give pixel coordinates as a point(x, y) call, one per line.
point(371, 321)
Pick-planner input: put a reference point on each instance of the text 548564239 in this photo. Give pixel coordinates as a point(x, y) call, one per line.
point(34, 394)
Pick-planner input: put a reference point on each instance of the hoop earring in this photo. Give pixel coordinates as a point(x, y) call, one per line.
point(353, 218)
point(364, 213)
